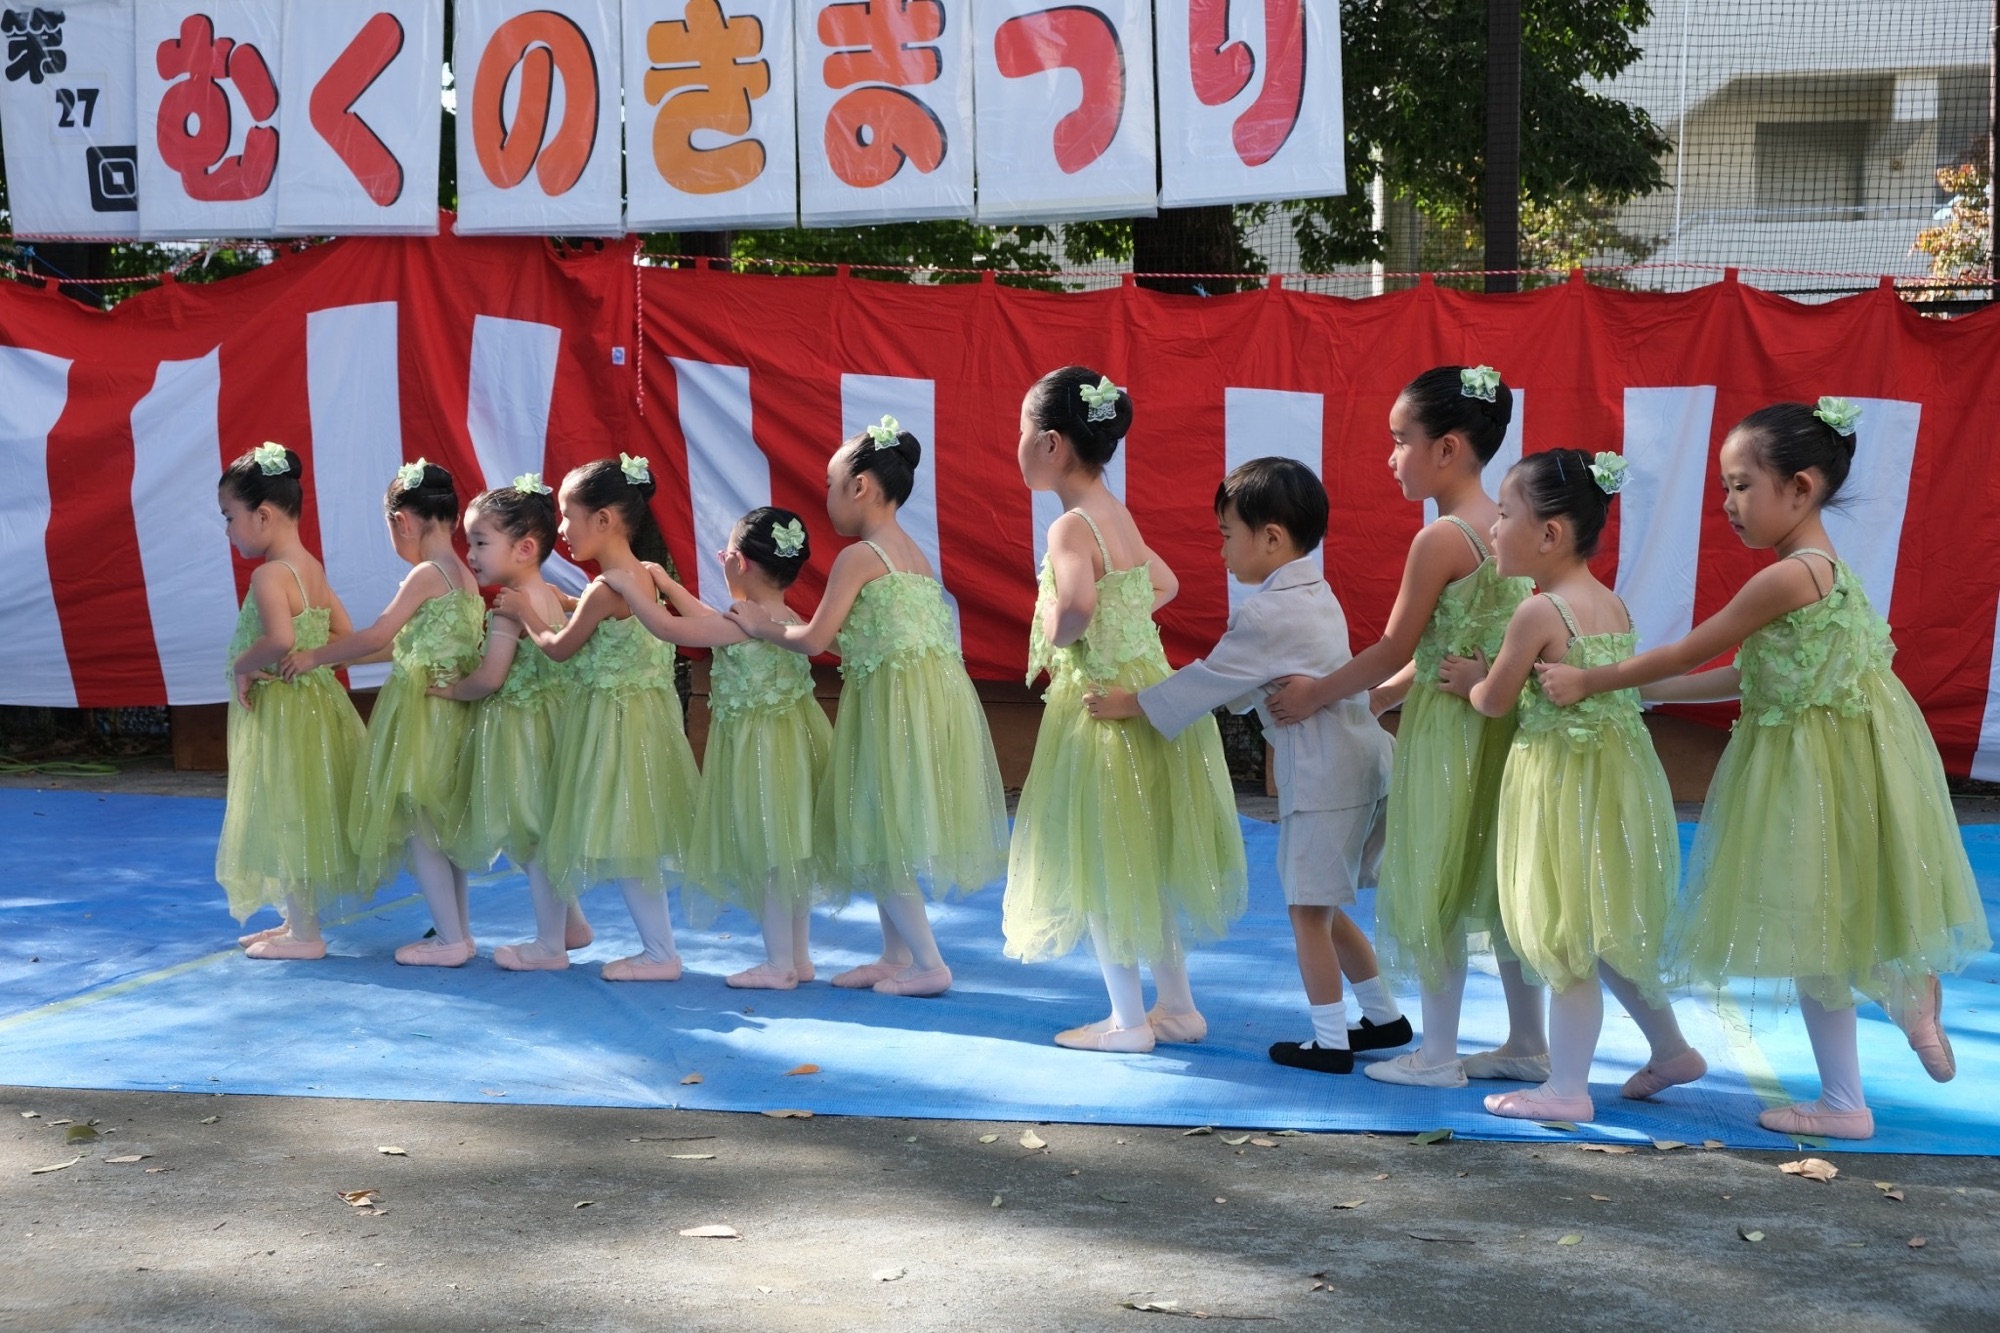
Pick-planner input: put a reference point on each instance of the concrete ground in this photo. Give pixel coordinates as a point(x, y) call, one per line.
point(503, 1216)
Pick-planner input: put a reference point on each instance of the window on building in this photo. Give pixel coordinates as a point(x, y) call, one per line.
point(1812, 168)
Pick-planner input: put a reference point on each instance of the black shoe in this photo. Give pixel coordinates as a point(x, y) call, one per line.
point(1369, 1037)
point(1320, 1059)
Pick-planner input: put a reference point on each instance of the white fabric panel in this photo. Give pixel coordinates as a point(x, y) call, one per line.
point(1049, 507)
point(167, 209)
point(357, 434)
point(887, 189)
point(708, 112)
point(1866, 527)
point(1508, 454)
point(190, 582)
point(588, 46)
point(1065, 110)
point(512, 382)
point(1986, 759)
point(71, 136)
point(728, 475)
point(1266, 423)
point(1659, 520)
point(1278, 134)
point(864, 401)
point(319, 190)
point(33, 660)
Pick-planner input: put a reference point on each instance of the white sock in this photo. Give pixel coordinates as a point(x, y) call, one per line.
point(1121, 980)
point(1836, 1052)
point(436, 876)
point(1329, 1025)
point(1576, 1016)
point(649, 914)
point(1377, 1005)
point(1440, 1016)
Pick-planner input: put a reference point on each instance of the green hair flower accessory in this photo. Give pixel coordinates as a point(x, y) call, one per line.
point(1481, 382)
point(788, 538)
point(272, 458)
point(884, 436)
point(1102, 398)
point(637, 471)
point(411, 475)
point(1838, 413)
point(530, 483)
point(1608, 471)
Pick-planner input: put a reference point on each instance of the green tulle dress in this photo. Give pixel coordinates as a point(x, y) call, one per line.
point(408, 784)
point(912, 796)
point(1828, 850)
point(1589, 856)
point(625, 777)
point(768, 740)
point(1115, 820)
point(507, 771)
point(292, 757)
point(1437, 879)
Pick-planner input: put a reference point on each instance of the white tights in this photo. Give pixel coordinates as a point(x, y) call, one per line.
point(1121, 980)
point(444, 888)
point(906, 932)
point(785, 934)
point(1837, 1052)
point(649, 913)
point(1576, 1019)
point(1441, 1008)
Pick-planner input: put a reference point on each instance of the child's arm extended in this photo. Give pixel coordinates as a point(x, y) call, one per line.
point(1537, 631)
point(1771, 592)
point(271, 590)
point(1232, 676)
point(852, 569)
point(503, 639)
point(1435, 556)
point(697, 625)
point(1391, 692)
point(418, 586)
point(598, 603)
point(1701, 687)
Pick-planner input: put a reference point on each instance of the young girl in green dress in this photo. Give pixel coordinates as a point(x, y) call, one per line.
point(293, 744)
point(1437, 878)
point(1828, 854)
point(752, 844)
point(625, 779)
point(507, 771)
point(912, 794)
point(1175, 865)
point(406, 795)
point(1588, 852)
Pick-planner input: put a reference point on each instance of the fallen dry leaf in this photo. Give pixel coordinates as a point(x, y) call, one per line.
point(802, 1069)
point(1198, 1129)
point(890, 1274)
point(691, 1157)
point(1615, 1149)
point(1812, 1168)
point(1918, 1242)
point(1383, 1176)
point(789, 1115)
point(1573, 1238)
point(1713, 1144)
point(208, 1119)
point(392, 1152)
point(691, 1078)
point(31, 1115)
point(1351, 1203)
point(356, 1198)
point(58, 1166)
point(79, 1134)
point(1032, 1141)
point(128, 1157)
point(1220, 1199)
point(1752, 1236)
point(989, 1138)
point(1236, 1140)
point(713, 1233)
point(1431, 1136)
point(492, 1092)
point(1565, 1126)
point(586, 1203)
point(1439, 1240)
point(1601, 1198)
point(1894, 1196)
point(1263, 1143)
point(997, 1201)
point(156, 1170)
point(1668, 1145)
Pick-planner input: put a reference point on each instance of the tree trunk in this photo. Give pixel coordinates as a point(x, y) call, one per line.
point(1187, 240)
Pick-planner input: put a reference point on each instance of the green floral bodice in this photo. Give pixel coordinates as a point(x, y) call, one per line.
point(311, 628)
point(1815, 657)
point(623, 655)
point(441, 642)
point(532, 678)
point(1121, 631)
point(753, 676)
point(895, 616)
point(1583, 724)
point(1471, 615)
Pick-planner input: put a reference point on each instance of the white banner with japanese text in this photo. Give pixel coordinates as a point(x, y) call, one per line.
point(67, 116)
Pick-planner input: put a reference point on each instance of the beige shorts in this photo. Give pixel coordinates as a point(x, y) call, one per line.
point(1325, 856)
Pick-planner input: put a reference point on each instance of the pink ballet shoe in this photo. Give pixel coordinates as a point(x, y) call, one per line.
point(1808, 1120)
point(763, 977)
point(1534, 1104)
point(288, 948)
point(1101, 1036)
point(521, 958)
point(865, 976)
point(578, 935)
point(1927, 1035)
point(1177, 1029)
point(803, 969)
point(1657, 1078)
point(257, 936)
point(929, 982)
point(437, 953)
point(641, 968)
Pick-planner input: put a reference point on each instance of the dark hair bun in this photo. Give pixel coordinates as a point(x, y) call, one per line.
point(1558, 483)
point(246, 479)
point(1059, 402)
point(434, 498)
point(1792, 438)
point(757, 537)
point(894, 466)
point(1441, 403)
